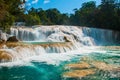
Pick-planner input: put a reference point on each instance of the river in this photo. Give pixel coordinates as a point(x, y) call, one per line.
point(61, 53)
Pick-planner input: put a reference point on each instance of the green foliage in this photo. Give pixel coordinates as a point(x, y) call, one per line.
point(9, 9)
point(43, 16)
point(106, 15)
point(64, 19)
point(48, 17)
point(6, 22)
point(32, 20)
point(53, 15)
point(84, 16)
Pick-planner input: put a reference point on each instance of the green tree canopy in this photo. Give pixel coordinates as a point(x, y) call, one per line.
point(106, 15)
point(9, 9)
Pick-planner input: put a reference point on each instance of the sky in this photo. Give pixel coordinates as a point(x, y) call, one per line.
point(64, 6)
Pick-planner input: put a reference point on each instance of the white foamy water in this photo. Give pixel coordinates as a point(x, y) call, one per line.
point(52, 34)
point(83, 35)
point(24, 58)
point(102, 36)
point(77, 41)
point(50, 58)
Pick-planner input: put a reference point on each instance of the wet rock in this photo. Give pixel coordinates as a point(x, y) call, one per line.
point(5, 56)
point(12, 39)
point(86, 59)
point(88, 66)
point(82, 65)
point(103, 66)
point(79, 73)
point(66, 39)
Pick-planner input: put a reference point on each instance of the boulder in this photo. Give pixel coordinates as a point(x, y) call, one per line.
point(66, 39)
point(12, 39)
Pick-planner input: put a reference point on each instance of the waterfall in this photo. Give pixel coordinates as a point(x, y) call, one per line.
point(83, 35)
point(52, 34)
point(38, 40)
point(3, 36)
point(22, 51)
point(102, 36)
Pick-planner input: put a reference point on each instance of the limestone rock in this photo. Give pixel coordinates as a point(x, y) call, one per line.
point(5, 56)
point(12, 39)
point(66, 39)
point(82, 65)
point(79, 73)
point(103, 66)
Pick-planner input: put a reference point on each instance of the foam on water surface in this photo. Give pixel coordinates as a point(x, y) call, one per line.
point(50, 58)
point(57, 58)
point(48, 48)
point(48, 64)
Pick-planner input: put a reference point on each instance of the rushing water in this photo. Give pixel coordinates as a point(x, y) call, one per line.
point(47, 52)
point(84, 35)
point(51, 66)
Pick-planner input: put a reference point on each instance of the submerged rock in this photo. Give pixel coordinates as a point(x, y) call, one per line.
point(79, 73)
point(12, 39)
point(82, 65)
point(103, 66)
point(88, 66)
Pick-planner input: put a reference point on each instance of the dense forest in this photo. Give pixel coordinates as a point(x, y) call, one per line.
point(106, 15)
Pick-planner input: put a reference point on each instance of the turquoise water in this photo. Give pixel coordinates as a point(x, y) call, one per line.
point(43, 71)
point(30, 42)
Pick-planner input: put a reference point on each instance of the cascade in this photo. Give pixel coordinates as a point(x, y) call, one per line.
point(39, 40)
point(83, 35)
point(102, 36)
point(18, 51)
point(52, 34)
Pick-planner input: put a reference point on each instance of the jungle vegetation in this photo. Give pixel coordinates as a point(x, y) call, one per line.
point(106, 15)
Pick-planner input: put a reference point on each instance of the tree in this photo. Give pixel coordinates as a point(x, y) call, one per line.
point(43, 16)
point(107, 9)
point(84, 16)
point(53, 15)
point(31, 20)
point(75, 18)
point(106, 15)
point(9, 10)
point(64, 19)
